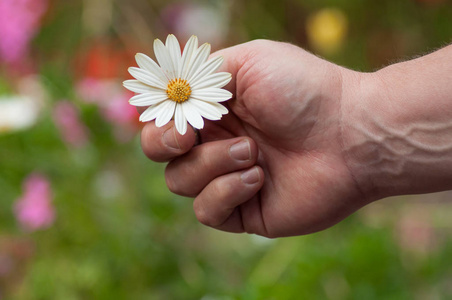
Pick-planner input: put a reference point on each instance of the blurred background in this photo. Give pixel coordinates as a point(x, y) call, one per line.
point(83, 213)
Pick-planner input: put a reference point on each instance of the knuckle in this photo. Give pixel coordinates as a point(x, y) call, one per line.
point(205, 216)
point(218, 187)
point(201, 214)
point(172, 186)
point(182, 187)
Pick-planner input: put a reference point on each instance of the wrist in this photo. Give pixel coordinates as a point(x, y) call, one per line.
point(396, 129)
point(359, 146)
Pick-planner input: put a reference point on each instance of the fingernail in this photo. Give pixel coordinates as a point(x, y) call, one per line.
point(251, 176)
point(240, 150)
point(170, 140)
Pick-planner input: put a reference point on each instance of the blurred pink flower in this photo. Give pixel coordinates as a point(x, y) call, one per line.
point(209, 22)
point(123, 116)
point(110, 97)
point(119, 111)
point(34, 209)
point(19, 22)
point(97, 91)
point(113, 103)
point(72, 130)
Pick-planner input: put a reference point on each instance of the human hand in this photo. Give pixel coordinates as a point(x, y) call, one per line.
point(275, 164)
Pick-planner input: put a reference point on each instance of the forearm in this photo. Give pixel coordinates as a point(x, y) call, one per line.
point(397, 126)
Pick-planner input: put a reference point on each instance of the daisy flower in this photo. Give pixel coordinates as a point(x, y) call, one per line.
point(184, 87)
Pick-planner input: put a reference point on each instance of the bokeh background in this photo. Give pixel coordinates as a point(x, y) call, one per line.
point(83, 213)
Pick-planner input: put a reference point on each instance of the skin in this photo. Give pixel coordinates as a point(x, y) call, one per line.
point(318, 141)
point(399, 134)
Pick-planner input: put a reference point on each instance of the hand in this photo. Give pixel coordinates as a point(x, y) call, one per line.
point(273, 166)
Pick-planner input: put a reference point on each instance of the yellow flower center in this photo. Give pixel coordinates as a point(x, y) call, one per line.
point(178, 90)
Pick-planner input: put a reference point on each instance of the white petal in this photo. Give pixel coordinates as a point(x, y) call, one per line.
point(167, 113)
point(153, 111)
point(164, 59)
point(187, 56)
point(147, 78)
point(202, 54)
point(148, 99)
point(206, 69)
point(180, 120)
point(138, 87)
point(221, 108)
point(148, 64)
point(172, 44)
point(192, 115)
point(211, 95)
point(207, 110)
point(216, 80)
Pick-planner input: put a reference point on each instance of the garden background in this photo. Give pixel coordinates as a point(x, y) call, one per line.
point(83, 213)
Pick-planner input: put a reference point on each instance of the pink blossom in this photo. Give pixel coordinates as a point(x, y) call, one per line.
point(72, 130)
point(113, 102)
point(119, 111)
point(19, 22)
point(34, 209)
point(97, 91)
point(123, 116)
point(111, 98)
point(210, 22)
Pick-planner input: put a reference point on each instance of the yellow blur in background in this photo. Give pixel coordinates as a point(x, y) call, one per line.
point(327, 30)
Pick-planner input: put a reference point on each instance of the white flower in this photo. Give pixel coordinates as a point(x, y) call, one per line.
point(184, 86)
point(17, 112)
point(22, 110)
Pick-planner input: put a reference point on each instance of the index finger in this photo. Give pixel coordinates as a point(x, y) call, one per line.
point(164, 143)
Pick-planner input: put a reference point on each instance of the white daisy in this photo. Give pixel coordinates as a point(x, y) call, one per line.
point(184, 87)
point(18, 112)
